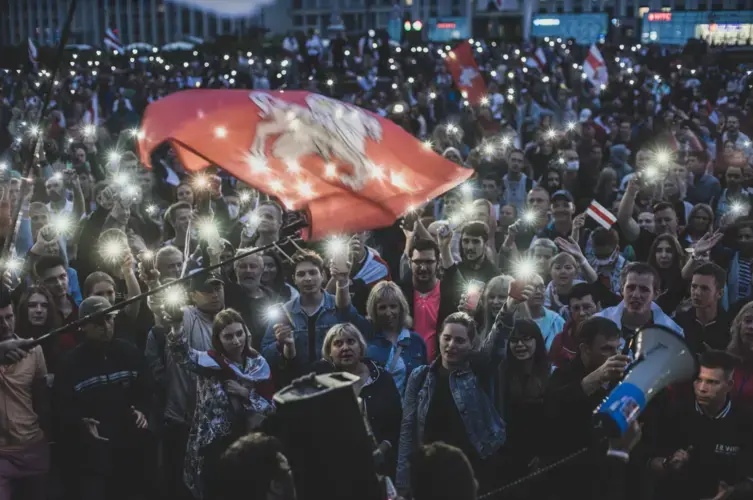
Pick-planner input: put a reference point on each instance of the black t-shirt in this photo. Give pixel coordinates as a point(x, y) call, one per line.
point(443, 420)
point(720, 449)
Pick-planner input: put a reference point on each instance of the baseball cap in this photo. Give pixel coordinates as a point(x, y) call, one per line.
point(562, 193)
point(93, 304)
point(202, 281)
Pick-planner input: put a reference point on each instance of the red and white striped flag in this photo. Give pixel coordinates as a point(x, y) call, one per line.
point(601, 215)
point(537, 60)
point(33, 55)
point(112, 41)
point(91, 115)
point(595, 67)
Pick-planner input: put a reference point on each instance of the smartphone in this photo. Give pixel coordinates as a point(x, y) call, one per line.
point(473, 293)
point(340, 259)
point(516, 289)
point(147, 261)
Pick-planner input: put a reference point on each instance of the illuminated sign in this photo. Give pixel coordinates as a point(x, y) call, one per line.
point(546, 22)
point(446, 26)
point(661, 17)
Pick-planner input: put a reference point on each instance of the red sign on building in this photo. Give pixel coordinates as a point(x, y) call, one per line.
point(661, 17)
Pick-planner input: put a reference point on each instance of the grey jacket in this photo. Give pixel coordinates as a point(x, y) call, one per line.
point(180, 384)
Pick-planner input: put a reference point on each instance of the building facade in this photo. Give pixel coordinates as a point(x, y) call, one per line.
point(155, 22)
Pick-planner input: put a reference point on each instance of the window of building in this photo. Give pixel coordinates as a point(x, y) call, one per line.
point(311, 20)
point(349, 20)
point(297, 21)
point(309, 4)
point(383, 19)
point(297, 4)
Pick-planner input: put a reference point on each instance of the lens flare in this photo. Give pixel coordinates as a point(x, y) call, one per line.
point(524, 269)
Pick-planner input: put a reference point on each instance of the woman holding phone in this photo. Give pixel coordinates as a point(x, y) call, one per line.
point(234, 392)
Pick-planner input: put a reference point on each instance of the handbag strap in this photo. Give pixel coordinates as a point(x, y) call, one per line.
point(396, 357)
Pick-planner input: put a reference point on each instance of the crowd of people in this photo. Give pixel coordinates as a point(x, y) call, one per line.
point(482, 329)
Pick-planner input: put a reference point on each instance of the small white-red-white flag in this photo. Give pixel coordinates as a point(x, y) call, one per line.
point(537, 60)
point(33, 55)
point(595, 67)
point(601, 215)
point(112, 41)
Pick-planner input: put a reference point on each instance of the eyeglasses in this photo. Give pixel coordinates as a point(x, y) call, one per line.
point(524, 339)
point(424, 263)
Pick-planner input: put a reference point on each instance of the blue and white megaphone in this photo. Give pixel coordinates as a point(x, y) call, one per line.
point(662, 358)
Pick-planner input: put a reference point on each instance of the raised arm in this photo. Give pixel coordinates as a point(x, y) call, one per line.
point(629, 227)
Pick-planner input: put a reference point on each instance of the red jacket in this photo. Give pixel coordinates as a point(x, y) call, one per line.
point(564, 346)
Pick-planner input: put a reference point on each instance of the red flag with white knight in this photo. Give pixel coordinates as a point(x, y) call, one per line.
point(349, 169)
point(462, 66)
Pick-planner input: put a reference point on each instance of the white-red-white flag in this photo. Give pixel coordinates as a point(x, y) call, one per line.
point(91, 115)
point(601, 215)
point(33, 55)
point(537, 60)
point(112, 41)
point(595, 67)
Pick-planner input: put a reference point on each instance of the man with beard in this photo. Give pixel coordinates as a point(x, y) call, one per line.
point(734, 135)
point(429, 299)
point(474, 264)
point(516, 183)
point(637, 309)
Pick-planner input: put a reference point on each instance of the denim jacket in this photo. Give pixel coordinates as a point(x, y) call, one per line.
point(327, 317)
point(470, 388)
point(413, 354)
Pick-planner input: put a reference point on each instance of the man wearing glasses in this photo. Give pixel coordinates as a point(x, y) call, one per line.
point(430, 299)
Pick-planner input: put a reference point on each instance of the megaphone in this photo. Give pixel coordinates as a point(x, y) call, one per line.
point(662, 358)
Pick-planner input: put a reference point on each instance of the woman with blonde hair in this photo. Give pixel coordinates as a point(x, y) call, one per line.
point(344, 350)
point(741, 345)
point(393, 345)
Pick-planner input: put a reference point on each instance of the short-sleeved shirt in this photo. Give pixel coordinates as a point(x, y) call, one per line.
point(19, 423)
point(425, 314)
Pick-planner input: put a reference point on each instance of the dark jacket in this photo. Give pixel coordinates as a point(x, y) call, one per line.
point(570, 408)
point(103, 381)
point(383, 406)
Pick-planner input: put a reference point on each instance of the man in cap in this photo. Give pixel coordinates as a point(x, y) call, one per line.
point(102, 391)
point(561, 225)
point(206, 295)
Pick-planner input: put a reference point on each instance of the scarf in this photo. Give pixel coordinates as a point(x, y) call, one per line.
point(552, 300)
point(609, 268)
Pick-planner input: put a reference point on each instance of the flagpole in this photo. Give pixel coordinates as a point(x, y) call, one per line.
point(35, 141)
point(120, 305)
